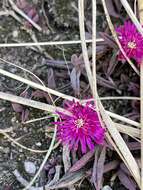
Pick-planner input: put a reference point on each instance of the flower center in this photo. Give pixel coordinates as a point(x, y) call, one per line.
point(132, 45)
point(79, 123)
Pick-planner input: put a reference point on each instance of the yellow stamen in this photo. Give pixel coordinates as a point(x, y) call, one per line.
point(132, 45)
point(79, 123)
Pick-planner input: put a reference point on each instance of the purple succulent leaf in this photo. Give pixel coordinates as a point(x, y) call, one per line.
point(51, 79)
point(114, 7)
point(134, 87)
point(98, 168)
point(75, 80)
point(22, 4)
point(82, 162)
point(77, 61)
point(30, 10)
point(18, 108)
point(69, 179)
point(106, 83)
point(112, 65)
point(134, 145)
point(126, 180)
point(38, 94)
point(125, 169)
point(8, 187)
point(111, 166)
point(24, 115)
point(108, 40)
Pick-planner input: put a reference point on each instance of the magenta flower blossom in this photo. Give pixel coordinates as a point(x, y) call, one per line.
point(80, 129)
point(131, 41)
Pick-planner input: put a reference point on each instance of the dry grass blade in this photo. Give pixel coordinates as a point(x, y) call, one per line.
point(116, 38)
point(35, 85)
point(94, 50)
point(50, 91)
point(120, 98)
point(123, 119)
point(36, 77)
point(37, 119)
point(121, 146)
point(131, 131)
point(24, 15)
point(140, 6)
point(132, 15)
point(94, 85)
point(112, 98)
point(140, 29)
point(20, 145)
point(23, 69)
point(84, 48)
point(31, 103)
point(44, 161)
point(50, 108)
point(51, 43)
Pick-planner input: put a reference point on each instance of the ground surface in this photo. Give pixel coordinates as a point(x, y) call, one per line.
point(62, 21)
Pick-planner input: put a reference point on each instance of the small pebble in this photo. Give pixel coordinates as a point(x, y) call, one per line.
point(30, 167)
point(38, 144)
point(107, 187)
point(15, 33)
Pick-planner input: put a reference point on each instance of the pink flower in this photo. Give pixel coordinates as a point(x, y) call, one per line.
point(80, 129)
point(131, 41)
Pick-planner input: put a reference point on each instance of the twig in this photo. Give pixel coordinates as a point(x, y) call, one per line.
point(19, 11)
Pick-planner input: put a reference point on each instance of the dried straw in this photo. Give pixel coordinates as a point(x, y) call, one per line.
point(140, 5)
point(119, 142)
